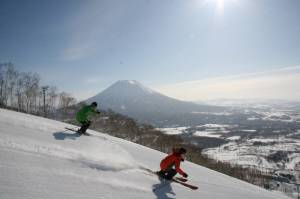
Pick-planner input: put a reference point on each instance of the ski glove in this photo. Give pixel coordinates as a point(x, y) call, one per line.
point(185, 175)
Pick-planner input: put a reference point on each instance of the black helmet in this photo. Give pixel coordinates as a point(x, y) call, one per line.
point(178, 150)
point(182, 150)
point(94, 104)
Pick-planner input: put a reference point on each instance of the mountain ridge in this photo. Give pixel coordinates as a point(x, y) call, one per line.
point(132, 98)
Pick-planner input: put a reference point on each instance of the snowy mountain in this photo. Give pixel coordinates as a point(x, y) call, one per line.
point(135, 100)
point(40, 159)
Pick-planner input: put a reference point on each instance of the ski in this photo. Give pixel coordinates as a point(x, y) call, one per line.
point(74, 130)
point(193, 187)
point(181, 179)
point(177, 180)
point(70, 129)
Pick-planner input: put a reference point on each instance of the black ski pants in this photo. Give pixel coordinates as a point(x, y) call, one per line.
point(169, 173)
point(84, 126)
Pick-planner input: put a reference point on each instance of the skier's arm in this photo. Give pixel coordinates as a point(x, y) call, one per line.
point(177, 168)
point(94, 111)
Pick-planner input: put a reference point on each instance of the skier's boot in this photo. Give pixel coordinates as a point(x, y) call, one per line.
point(85, 133)
point(160, 174)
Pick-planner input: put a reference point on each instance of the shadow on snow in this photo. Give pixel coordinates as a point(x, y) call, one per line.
point(163, 189)
point(63, 135)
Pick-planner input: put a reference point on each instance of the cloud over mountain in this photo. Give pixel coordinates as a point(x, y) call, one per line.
point(276, 84)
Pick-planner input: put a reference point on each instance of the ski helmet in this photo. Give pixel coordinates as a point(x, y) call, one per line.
point(94, 104)
point(179, 150)
point(182, 150)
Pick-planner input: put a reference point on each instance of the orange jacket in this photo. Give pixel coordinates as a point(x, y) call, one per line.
point(170, 160)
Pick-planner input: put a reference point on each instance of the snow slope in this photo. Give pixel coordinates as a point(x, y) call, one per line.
point(40, 159)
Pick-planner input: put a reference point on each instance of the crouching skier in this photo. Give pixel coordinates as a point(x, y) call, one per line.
point(170, 165)
point(83, 114)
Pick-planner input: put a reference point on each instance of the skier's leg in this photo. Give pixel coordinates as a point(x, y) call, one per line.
point(80, 130)
point(160, 173)
point(170, 173)
point(85, 126)
point(167, 174)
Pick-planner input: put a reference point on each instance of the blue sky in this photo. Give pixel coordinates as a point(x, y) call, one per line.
point(84, 46)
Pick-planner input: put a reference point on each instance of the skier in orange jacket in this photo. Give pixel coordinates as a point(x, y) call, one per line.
point(170, 165)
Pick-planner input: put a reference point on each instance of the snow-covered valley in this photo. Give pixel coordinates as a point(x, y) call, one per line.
point(264, 137)
point(260, 132)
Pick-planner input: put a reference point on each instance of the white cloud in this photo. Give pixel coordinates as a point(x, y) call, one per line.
point(276, 84)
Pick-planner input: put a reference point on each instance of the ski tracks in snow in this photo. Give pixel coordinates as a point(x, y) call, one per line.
point(101, 160)
point(96, 155)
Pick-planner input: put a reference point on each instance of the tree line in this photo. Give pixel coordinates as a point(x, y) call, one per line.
point(23, 92)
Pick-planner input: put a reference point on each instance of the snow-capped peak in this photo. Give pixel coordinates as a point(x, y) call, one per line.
point(128, 89)
point(135, 84)
point(132, 81)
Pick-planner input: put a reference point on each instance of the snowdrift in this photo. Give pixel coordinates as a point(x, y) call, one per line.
point(39, 158)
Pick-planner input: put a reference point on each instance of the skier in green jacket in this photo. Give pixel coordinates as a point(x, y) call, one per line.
point(82, 116)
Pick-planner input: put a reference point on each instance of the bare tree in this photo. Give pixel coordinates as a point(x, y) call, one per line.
point(31, 90)
point(40, 101)
point(1, 83)
point(65, 100)
point(7, 82)
point(11, 74)
point(20, 90)
point(51, 99)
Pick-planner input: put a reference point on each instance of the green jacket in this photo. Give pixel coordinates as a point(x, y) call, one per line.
point(83, 114)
